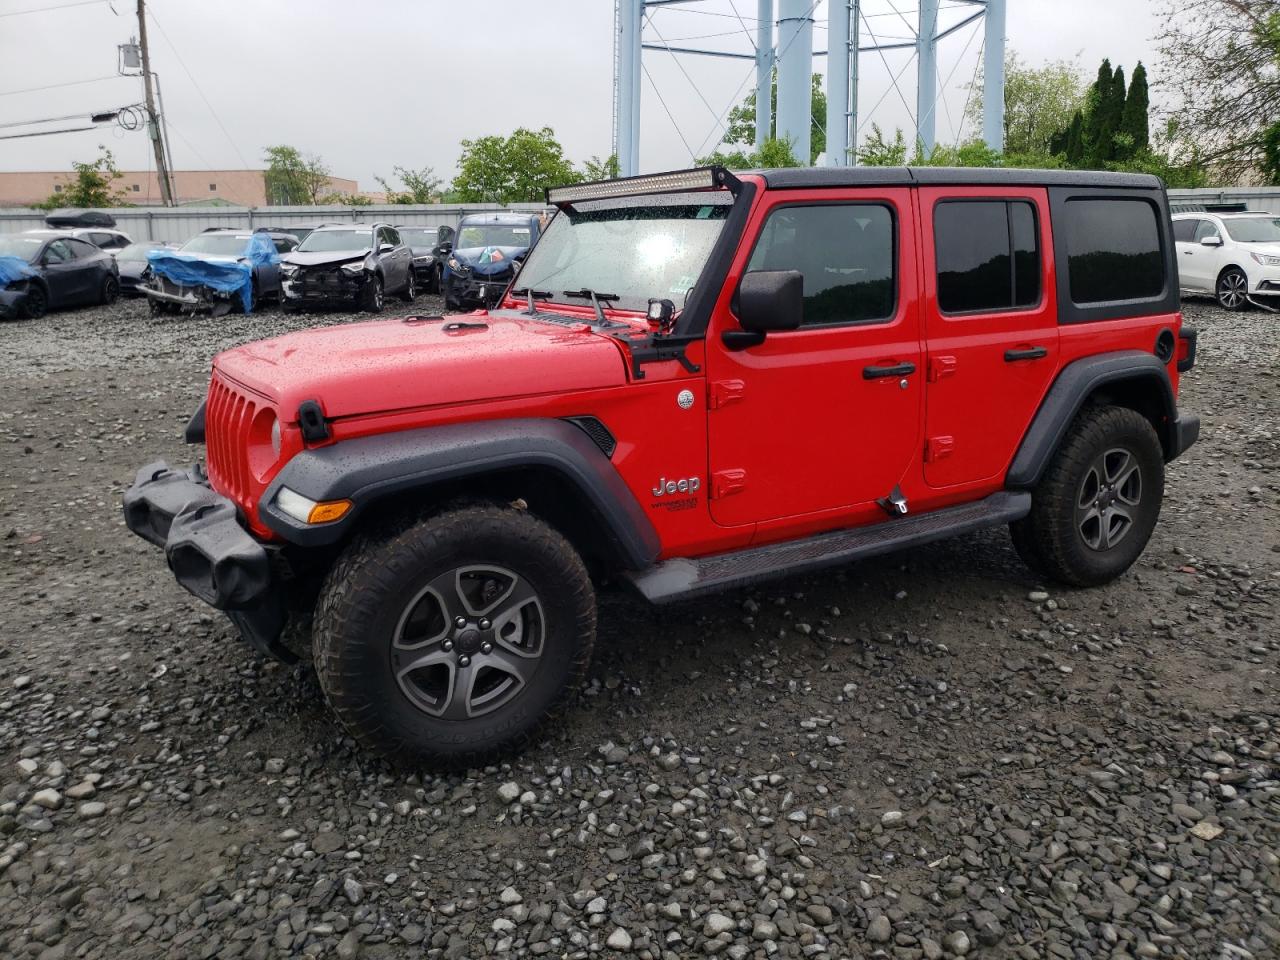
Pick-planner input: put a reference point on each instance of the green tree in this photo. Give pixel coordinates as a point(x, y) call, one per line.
point(1220, 71)
point(512, 169)
point(1134, 121)
point(1102, 119)
point(742, 118)
point(772, 153)
point(420, 186)
point(1038, 103)
point(1075, 148)
point(878, 152)
point(292, 179)
point(92, 186)
point(1271, 154)
point(606, 169)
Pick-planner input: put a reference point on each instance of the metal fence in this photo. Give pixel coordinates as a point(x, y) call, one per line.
point(176, 224)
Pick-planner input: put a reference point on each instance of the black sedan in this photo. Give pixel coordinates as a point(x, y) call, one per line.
point(430, 245)
point(67, 272)
point(132, 263)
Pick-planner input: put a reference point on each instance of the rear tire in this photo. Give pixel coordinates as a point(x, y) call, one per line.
point(1097, 504)
point(410, 292)
point(411, 680)
point(371, 298)
point(1232, 290)
point(110, 291)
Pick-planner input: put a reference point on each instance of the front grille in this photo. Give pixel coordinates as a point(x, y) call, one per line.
point(228, 416)
point(326, 283)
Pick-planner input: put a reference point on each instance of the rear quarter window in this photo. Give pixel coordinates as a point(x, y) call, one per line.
point(1113, 250)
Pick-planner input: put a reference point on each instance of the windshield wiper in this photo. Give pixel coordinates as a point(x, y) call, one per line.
point(595, 299)
point(532, 295)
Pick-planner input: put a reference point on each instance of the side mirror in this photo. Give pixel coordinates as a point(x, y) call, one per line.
point(768, 301)
point(385, 247)
point(1211, 241)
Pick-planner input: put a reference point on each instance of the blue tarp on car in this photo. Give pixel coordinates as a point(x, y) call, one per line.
point(225, 276)
point(14, 268)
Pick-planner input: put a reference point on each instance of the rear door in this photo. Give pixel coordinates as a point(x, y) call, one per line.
point(825, 418)
point(1190, 261)
point(991, 325)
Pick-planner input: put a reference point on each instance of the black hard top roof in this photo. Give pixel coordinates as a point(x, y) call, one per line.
point(794, 177)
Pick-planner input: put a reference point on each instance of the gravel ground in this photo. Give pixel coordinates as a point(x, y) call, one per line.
point(925, 756)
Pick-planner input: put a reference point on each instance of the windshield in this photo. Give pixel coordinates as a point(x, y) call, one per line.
point(655, 251)
point(322, 241)
point(24, 247)
point(136, 251)
point(415, 237)
point(491, 235)
point(1254, 229)
point(218, 244)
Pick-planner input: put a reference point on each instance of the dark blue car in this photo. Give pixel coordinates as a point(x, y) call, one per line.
point(487, 248)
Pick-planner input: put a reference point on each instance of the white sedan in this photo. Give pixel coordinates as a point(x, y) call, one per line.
point(1234, 257)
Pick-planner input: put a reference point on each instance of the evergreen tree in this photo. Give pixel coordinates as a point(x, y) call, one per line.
point(1134, 122)
point(1075, 140)
point(1095, 106)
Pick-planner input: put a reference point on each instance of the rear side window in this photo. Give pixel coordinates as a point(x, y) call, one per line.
point(988, 255)
point(1184, 231)
point(846, 253)
point(1113, 250)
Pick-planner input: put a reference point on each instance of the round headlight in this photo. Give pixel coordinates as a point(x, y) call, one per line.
point(263, 446)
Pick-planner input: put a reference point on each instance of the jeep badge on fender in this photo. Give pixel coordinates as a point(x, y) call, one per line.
point(432, 513)
point(667, 487)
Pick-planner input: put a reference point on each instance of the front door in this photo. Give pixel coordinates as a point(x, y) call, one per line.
point(991, 324)
point(67, 278)
point(1200, 262)
point(826, 417)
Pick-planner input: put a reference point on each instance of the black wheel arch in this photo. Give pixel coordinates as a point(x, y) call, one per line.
point(1126, 378)
point(552, 465)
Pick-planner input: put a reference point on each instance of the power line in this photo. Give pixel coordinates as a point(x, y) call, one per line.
point(54, 86)
point(60, 6)
point(214, 113)
point(658, 93)
point(45, 133)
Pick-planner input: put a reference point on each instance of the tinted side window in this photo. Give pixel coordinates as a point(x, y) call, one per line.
point(80, 249)
point(393, 236)
point(1206, 228)
point(1184, 231)
point(846, 252)
point(57, 252)
point(1113, 250)
point(988, 255)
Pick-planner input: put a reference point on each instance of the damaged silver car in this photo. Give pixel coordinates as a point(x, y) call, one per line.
point(355, 264)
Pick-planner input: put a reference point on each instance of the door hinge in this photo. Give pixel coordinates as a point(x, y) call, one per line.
point(725, 483)
point(939, 448)
point(725, 392)
point(940, 367)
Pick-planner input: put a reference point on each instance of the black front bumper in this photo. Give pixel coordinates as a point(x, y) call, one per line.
point(1186, 431)
point(209, 551)
point(324, 286)
point(474, 289)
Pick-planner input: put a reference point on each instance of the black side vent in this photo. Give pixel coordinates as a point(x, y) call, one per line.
point(598, 433)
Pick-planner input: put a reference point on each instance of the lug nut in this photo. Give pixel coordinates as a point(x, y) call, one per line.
point(464, 661)
point(484, 624)
point(486, 647)
point(448, 645)
point(459, 622)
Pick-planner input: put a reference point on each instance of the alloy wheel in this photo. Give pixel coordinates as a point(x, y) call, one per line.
point(1109, 496)
point(468, 642)
point(1233, 289)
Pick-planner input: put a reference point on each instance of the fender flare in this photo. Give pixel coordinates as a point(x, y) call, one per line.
point(368, 469)
point(1077, 381)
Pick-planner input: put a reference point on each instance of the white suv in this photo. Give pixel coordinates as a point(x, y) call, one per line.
point(1233, 256)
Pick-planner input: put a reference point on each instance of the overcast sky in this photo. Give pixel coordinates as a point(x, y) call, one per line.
point(380, 83)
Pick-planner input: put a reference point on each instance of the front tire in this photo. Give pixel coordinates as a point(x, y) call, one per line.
point(452, 639)
point(1097, 504)
point(1232, 290)
point(371, 297)
point(35, 304)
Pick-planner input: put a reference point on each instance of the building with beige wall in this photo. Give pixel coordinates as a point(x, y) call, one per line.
point(241, 188)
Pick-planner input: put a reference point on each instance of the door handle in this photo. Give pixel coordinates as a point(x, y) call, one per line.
point(1030, 353)
point(897, 370)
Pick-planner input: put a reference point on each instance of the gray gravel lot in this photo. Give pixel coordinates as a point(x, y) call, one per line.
point(928, 755)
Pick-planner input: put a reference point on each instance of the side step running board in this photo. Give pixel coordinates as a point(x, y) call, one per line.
point(682, 578)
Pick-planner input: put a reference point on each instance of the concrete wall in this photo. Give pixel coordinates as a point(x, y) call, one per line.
point(242, 188)
point(176, 224)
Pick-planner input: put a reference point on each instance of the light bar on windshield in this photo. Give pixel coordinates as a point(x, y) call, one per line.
point(703, 178)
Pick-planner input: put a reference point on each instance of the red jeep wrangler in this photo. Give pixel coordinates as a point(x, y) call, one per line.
point(696, 381)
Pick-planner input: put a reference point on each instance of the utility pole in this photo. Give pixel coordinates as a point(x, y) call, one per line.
point(153, 123)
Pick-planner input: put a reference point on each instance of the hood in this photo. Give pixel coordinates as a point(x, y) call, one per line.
point(317, 258)
point(1265, 249)
point(489, 260)
point(384, 365)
